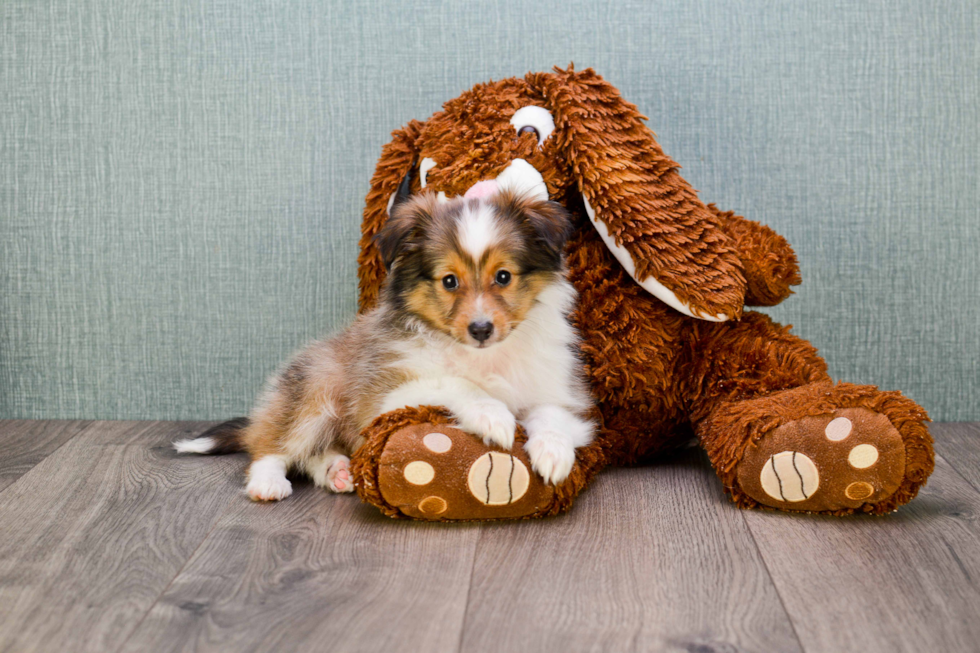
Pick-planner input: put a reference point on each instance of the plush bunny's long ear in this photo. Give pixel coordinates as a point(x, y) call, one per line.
point(394, 166)
point(647, 214)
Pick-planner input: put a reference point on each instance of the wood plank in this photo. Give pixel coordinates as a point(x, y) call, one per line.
point(316, 572)
point(25, 443)
point(95, 532)
point(650, 559)
point(902, 582)
point(959, 444)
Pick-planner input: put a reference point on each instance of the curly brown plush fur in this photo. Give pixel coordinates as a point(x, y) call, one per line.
point(658, 376)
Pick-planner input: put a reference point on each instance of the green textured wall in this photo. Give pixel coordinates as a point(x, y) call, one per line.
point(181, 181)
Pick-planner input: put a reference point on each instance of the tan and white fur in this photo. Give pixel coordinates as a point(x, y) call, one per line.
point(473, 317)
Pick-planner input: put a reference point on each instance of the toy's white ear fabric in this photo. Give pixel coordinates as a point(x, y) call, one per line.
point(647, 215)
point(650, 284)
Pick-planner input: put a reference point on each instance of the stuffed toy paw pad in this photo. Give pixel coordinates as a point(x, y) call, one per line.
point(838, 461)
point(423, 467)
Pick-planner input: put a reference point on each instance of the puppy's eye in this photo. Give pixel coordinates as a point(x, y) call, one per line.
point(449, 282)
point(502, 277)
point(529, 129)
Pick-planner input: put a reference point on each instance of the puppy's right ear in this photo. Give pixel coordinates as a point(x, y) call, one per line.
point(403, 230)
point(397, 160)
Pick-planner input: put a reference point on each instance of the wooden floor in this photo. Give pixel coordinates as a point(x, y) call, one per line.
point(109, 541)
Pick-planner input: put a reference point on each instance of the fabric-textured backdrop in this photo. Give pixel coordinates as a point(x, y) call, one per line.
point(181, 181)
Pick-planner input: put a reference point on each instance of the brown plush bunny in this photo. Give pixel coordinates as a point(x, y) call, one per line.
point(668, 349)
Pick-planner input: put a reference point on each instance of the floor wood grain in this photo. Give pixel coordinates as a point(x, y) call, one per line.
point(959, 444)
point(650, 559)
point(109, 541)
point(909, 581)
point(97, 530)
point(25, 443)
point(317, 572)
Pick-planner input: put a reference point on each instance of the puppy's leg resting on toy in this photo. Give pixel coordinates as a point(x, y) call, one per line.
point(475, 411)
point(781, 434)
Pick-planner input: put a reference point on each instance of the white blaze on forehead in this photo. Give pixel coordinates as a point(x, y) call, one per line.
point(649, 284)
point(424, 167)
point(521, 177)
point(477, 230)
point(480, 313)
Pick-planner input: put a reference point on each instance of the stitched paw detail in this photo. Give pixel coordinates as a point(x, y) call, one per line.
point(498, 479)
point(790, 476)
point(828, 462)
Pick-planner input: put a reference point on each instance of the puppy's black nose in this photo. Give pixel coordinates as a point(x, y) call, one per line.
point(480, 330)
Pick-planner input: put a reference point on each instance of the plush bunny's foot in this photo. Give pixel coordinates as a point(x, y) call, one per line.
point(841, 461)
point(438, 472)
point(822, 448)
point(415, 463)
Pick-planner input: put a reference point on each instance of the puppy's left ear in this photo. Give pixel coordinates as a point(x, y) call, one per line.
point(548, 224)
point(648, 216)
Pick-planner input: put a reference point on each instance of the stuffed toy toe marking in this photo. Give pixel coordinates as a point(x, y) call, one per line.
point(840, 461)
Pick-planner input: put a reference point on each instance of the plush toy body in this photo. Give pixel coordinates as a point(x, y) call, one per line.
point(669, 351)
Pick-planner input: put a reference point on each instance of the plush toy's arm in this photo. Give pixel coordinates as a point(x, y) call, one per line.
point(767, 259)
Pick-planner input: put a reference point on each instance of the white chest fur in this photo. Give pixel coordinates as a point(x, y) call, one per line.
point(534, 365)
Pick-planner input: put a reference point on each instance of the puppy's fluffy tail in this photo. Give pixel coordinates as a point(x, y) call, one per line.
point(223, 438)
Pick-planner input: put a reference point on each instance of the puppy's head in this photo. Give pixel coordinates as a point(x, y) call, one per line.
point(471, 268)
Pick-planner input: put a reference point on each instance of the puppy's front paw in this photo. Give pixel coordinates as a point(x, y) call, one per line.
point(269, 488)
point(552, 456)
point(491, 420)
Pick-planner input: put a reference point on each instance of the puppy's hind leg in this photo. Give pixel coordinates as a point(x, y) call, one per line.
point(267, 479)
point(331, 470)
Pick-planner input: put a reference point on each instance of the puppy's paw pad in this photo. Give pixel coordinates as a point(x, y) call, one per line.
point(491, 420)
point(551, 456)
point(269, 489)
point(338, 476)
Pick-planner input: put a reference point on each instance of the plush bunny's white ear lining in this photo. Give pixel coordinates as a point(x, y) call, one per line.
point(649, 284)
point(424, 167)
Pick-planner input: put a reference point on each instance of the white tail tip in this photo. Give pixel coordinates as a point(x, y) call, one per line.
point(197, 445)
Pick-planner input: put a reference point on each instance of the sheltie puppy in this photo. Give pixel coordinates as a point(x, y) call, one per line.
point(473, 316)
